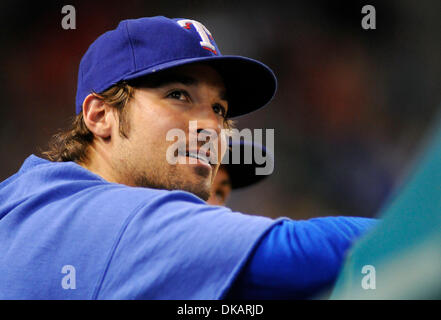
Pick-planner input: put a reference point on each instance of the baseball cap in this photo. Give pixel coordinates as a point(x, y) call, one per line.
point(139, 47)
point(243, 174)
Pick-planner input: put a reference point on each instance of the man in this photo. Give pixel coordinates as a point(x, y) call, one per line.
point(235, 176)
point(110, 217)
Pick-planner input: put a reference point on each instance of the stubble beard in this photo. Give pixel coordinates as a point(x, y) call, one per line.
point(161, 175)
point(170, 179)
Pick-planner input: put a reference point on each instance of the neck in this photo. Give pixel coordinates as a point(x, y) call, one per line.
point(99, 162)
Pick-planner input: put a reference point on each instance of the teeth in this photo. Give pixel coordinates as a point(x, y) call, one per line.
point(204, 159)
point(197, 156)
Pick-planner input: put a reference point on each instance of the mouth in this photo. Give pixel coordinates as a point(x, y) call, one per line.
point(200, 157)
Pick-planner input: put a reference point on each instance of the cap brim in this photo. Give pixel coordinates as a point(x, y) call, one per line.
point(250, 84)
point(243, 175)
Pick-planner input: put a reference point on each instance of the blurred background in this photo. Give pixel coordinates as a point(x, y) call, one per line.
point(351, 110)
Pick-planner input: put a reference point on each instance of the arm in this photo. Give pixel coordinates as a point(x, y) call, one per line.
point(297, 259)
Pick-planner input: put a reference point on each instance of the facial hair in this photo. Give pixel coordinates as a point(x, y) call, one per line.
point(161, 175)
point(170, 181)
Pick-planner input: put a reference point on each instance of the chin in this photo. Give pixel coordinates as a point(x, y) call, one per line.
point(197, 185)
point(203, 194)
point(200, 187)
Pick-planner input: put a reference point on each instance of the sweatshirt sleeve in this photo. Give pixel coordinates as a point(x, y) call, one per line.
point(298, 259)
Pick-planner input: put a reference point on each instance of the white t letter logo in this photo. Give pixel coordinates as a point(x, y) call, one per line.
point(202, 31)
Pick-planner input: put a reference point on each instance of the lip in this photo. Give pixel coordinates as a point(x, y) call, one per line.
point(197, 151)
point(199, 162)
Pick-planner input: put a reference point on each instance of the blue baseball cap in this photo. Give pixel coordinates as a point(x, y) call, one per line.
point(242, 174)
point(139, 47)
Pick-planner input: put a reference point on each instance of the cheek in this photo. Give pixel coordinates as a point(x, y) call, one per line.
point(214, 174)
point(148, 123)
point(151, 126)
point(222, 145)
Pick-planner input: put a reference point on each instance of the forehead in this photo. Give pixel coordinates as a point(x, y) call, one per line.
point(193, 74)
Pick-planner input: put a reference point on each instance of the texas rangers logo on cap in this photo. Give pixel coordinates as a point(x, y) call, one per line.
point(202, 31)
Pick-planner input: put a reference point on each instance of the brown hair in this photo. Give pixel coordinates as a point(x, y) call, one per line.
point(72, 144)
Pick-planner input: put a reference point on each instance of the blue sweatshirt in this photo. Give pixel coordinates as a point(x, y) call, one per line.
point(66, 233)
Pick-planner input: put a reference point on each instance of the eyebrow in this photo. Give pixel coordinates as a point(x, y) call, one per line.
point(167, 78)
point(178, 78)
point(164, 78)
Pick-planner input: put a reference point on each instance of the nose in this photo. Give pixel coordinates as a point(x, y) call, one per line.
point(209, 127)
point(208, 121)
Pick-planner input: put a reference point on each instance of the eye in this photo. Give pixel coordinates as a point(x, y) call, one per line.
point(179, 94)
point(219, 109)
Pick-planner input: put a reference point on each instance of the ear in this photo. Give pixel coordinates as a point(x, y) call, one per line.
point(98, 116)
